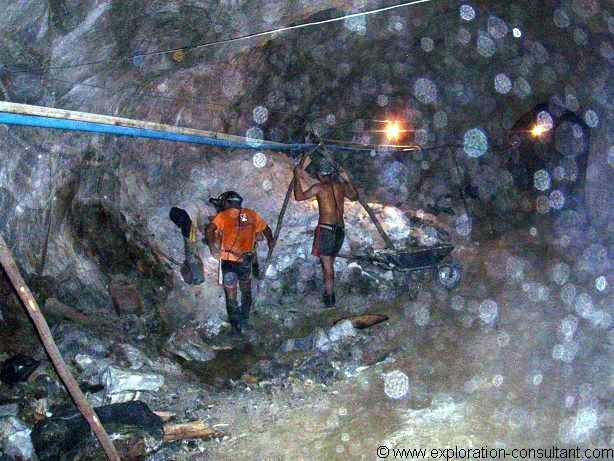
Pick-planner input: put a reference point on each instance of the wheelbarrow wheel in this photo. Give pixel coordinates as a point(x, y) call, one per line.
point(448, 275)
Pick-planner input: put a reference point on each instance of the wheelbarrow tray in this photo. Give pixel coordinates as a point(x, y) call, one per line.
point(414, 258)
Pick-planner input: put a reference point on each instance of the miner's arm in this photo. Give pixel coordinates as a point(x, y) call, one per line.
point(299, 193)
point(268, 234)
point(264, 229)
point(348, 187)
point(213, 239)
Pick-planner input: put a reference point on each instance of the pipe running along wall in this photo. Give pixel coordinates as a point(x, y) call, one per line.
point(76, 125)
point(48, 117)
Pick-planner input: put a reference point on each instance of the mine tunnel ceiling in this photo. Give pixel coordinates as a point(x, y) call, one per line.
point(337, 78)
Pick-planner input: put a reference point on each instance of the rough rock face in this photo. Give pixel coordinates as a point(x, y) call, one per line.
point(456, 80)
point(87, 215)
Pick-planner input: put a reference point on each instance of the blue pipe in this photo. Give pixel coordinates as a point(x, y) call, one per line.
point(63, 124)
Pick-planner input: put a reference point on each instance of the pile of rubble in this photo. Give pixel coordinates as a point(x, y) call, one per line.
point(140, 397)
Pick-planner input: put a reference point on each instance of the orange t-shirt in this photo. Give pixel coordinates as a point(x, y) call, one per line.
point(238, 229)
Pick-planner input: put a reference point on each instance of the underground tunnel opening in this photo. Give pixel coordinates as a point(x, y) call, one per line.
point(481, 126)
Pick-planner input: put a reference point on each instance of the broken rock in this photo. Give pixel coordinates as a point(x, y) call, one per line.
point(341, 330)
point(325, 341)
point(125, 295)
point(15, 438)
point(320, 339)
point(90, 367)
point(134, 356)
point(8, 409)
point(188, 345)
point(119, 381)
point(73, 340)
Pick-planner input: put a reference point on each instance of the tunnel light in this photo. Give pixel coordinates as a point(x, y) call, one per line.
point(538, 130)
point(392, 130)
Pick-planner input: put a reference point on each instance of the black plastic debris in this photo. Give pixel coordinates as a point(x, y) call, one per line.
point(17, 369)
point(93, 388)
point(66, 434)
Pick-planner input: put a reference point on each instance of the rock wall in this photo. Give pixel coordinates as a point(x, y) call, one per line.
point(79, 209)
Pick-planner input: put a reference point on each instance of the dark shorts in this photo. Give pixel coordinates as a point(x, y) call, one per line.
point(233, 271)
point(327, 239)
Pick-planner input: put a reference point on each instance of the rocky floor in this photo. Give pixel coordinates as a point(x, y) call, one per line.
point(519, 355)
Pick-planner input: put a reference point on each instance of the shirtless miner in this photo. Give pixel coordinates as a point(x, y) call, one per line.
point(333, 187)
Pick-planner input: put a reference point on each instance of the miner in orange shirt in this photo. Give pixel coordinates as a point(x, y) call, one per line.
point(231, 237)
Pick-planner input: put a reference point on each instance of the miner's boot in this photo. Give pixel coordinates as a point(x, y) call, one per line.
point(234, 317)
point(329, 300)
point(246, 303)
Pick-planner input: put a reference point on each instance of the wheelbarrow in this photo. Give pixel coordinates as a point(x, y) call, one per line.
point(417, 261)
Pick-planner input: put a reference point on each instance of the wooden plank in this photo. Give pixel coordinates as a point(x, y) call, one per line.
point(364, 320)
point(192, 430)
point(56, 308)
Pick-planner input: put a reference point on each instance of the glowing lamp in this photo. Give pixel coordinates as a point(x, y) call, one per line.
point(392, 130)
point(538, 130)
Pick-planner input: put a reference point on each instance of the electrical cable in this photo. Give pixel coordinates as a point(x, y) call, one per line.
point(207, 102)
point(347, 146)
point(287, 28)
point(250, 35)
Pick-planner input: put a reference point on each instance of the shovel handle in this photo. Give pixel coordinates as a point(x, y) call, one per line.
point(304, 156)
